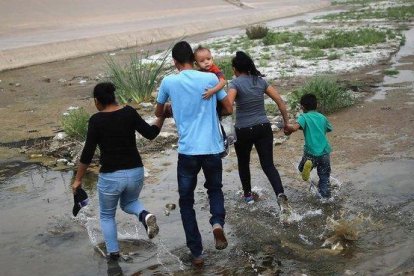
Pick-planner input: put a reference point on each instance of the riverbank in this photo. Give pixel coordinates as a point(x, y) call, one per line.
point(75, 29)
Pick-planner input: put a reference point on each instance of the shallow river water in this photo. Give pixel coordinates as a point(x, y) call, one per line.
point(369, 225)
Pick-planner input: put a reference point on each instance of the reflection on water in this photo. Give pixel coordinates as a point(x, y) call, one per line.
point(404, 78)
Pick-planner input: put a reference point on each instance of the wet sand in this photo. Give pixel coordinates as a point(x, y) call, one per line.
point(43, 31)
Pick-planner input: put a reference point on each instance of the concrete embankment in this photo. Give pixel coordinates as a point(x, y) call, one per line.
point(49, 32)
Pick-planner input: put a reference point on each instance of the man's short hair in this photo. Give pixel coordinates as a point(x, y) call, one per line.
point(309, 101)
point(183, 53)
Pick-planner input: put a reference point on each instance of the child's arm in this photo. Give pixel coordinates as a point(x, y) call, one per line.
point(210, 92)
point(329, 127)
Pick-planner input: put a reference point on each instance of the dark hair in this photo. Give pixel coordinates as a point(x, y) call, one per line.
point(244, 64)
point(309, 102)
point(183, 53)
point(200, 48)
point(104, 92)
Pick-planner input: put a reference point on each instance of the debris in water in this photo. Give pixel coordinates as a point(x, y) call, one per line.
point(343, 231)
point(170, 206)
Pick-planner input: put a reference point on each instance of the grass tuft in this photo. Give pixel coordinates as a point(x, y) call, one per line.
point(275, 38)
point(256, 31)
point(330, 94)
point(224, 63)
point(75, 123)
point(313, 53)
point(136, 80)
point(342, 39)
point(391, 72)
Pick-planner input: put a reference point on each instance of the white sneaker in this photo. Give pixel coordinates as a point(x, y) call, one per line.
point(152, 227)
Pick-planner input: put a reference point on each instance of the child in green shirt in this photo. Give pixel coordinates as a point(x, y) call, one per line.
point(317, 148)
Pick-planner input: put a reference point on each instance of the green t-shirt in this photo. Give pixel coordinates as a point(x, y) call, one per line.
point(315, 126)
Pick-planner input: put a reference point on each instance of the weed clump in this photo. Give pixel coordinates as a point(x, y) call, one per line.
point(331, 95)
point(391, 72)
point(224, 63)
point(256, 31)
point(274, 38)
point(136, 80)
point(343, 39)
point(75, 123)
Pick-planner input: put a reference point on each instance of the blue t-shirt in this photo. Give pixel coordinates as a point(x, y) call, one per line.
point(196, 119)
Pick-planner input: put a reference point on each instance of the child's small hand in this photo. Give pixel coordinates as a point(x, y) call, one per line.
point(207, 95)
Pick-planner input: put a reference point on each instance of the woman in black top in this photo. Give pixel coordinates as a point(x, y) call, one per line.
point(121, 174)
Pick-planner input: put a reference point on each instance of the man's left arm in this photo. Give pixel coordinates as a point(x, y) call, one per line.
point(225, 102)
point(162, 98)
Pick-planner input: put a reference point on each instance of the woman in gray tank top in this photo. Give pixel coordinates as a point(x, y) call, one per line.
point(248, 90)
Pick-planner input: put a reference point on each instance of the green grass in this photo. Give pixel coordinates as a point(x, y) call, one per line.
point(136, 80)
point(331, 95)
point(263, 62)
point(224, 63)
point(352, 2)
point(392, 13)
point(403, 40)
point(391, 72)
point(256, 31)
point(271, 109)
point(75, 123)
point(216, 45)
point(312, 53)
point(333, 56)
point(274, 38)
point(342, 39)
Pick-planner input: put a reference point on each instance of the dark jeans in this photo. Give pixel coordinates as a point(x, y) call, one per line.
point(323, 167)
point(261, 136)
point(187, 170)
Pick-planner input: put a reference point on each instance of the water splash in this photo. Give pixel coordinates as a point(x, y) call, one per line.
point(164, 255)
point(341, 232)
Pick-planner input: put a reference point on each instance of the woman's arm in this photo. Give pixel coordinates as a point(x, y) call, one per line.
point(86, 156)
point(275, 96)
point(79, 175)
point(231, 95)
point(147, 130)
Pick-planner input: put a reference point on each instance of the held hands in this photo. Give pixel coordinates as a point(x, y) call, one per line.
point(168, 110)
point(288, 129)
point(207, 95)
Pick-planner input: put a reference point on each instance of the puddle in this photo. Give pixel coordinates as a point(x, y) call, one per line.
point(404, 78)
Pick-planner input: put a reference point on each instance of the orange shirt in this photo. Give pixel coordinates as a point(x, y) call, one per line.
point(215, 70)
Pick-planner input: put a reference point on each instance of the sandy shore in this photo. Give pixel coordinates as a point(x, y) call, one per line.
point(42, 31)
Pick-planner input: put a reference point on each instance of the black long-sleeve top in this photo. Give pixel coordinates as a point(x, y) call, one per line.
point(114, 133)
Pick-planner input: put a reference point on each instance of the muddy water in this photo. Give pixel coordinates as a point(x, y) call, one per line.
point(40, 236)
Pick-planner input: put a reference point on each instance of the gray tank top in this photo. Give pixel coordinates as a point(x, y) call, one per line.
point(250, 108)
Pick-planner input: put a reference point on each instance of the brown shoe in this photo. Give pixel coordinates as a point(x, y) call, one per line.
point(219, 238)
point(198, 262)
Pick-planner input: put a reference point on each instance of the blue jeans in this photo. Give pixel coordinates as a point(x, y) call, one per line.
point(323, 166)
point(187, 170)
point(124, 186)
